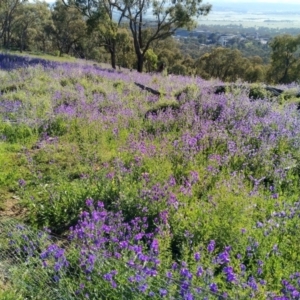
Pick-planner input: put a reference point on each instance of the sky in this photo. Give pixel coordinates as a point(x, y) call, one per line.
point(254, 1)
point(238, 1)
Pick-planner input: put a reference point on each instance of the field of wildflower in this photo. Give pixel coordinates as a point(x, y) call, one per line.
point(128, 194)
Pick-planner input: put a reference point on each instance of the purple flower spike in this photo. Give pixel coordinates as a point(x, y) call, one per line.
point(172, 181)
point(242, 267)
point(295, 294)
point(199, 271)
point(186, 273)
point(252, 284)
point(230, 276)
point(197, 256)
point(163, 292)
point(194, 177)
point(22, 182)
point(223, 258)
point(154, 246)
point(100, 204)
point(89, 202)
point(211, 246)
point(143, 288)
point(213, 287)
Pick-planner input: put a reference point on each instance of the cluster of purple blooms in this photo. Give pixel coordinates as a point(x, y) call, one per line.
point(118, 252)
point(55, 257)
point(104, 236)
point(11, 62)
point(126, 256)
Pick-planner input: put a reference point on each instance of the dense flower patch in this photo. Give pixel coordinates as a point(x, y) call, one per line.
point(183, 195)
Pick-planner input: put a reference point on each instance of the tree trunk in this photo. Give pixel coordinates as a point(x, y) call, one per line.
point(139, 57)
point(21, 43)
point(8, 40)
point(286, 69)
point(4, 40)
point(140, 63)
point(113, 56)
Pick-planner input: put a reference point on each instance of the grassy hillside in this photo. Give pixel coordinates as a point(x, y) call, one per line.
point(154, 186)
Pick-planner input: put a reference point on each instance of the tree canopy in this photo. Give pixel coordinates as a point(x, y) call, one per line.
point(139, 34)
point(285, 58)
point(148, 20)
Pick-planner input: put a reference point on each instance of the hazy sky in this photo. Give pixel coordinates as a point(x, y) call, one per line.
point(254, 1)
point(238, 1)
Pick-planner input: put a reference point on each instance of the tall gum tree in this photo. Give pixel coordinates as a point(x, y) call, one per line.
point(151, 20)
point(8, 13)
point(101, 15)
point(30, 19)
point(69, 27)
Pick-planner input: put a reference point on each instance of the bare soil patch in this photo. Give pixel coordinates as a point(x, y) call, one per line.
point(10, 206)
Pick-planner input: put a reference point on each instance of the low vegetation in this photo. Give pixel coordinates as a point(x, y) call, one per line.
point(126, 194)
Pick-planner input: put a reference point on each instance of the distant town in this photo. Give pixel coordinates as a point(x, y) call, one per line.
point(209, 37)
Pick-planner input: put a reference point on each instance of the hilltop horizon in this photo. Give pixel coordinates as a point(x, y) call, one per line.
point(243, 3)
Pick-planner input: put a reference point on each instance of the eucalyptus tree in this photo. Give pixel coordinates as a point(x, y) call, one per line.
point(147, 20)
point(42, 38)
point(102, 16)
point(8, 13)
point(152, 20)
point(31, 19)
point(168, 52)
point(285, 59)
point(223, 63)
point(69, 27)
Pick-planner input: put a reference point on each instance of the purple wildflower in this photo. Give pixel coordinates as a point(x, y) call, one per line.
point(213, 287)
point(211, 246)
point(163, 292)
point(197, 256)
point(230, 276)
point(89, 202)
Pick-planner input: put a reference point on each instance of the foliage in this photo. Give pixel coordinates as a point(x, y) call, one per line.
point(184, 193)
point(69, 27)
point(151, 60)
point(229, 65)
point(88, 30)
point(257, 91)
point(178, 69)
point(100, 17)
point(167, 19)
point(285, 59)
point(8, 13)
point(32, 26)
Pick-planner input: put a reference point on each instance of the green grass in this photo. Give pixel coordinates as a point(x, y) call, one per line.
point(81, 135)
